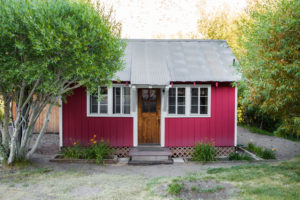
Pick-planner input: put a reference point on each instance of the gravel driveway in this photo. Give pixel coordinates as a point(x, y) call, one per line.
point(285, 149)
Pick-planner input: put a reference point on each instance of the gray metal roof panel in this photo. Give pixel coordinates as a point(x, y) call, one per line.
point(159, 62)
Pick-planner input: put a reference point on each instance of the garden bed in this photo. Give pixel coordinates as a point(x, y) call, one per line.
point(60, 159)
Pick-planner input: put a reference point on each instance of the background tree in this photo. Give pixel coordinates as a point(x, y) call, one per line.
point(49, 48)
point(265, 38)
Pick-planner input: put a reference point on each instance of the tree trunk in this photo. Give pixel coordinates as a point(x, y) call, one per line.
point(46, 121)
point(5, 130)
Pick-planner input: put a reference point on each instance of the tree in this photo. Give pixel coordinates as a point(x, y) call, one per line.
point(264, 37)
point(270, 60)
point(49, 48)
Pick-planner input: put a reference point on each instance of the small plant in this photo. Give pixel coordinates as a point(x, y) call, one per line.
point(98, 150)
point(175, 188)
point(237, 156)
point(196, 189)
point(268, 154)
point(204, 152)
point(261, 152)
point(213, 189)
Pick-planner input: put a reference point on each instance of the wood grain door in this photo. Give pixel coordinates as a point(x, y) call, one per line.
point(149, 116)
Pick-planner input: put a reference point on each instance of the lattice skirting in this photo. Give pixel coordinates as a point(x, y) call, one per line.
point(186, 152)
point(122, 152)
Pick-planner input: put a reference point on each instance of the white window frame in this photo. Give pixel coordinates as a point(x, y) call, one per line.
point(199, 105)
point(110, 103)
point(176, 101)
point(188, 97)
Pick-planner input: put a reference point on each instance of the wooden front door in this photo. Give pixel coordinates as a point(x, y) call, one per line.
point(149, 116)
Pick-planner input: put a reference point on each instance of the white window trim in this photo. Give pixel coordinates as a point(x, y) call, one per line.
point(188, 102)
point(176, 101)
point(110, 103)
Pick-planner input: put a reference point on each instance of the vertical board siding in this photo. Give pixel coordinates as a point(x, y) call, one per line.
point(80, 128)
point(219, 127)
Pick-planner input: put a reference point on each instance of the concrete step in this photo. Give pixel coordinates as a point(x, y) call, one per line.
point(147, 162)
point(150, 156)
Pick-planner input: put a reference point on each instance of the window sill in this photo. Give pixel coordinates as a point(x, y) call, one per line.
point(110, 115)
point(187, 116)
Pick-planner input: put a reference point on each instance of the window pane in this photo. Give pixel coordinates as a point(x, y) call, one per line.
point(172, 92)
point(181, 109)
point(203, 109)
point(153, 95)
point(194, 109)
point(126, 100)
point(194, 92)
point(116, 100)
point(172, 101)
point(195, 101)
point(181, 101)
point(181, 92)
point(126, 109)
point(103, 99)
point(93, 104)
point(145, 106)
point(203, 91)
point(153, 106)
point(203, 101)
point(171, 109)
point(103, 108)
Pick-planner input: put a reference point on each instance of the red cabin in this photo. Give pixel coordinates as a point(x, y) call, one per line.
point(173, 93)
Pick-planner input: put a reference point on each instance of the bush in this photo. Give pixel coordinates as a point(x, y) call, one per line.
point(261, 152)
point(175, 187)
point(204, 152)
point(237, 156)
point(98, 150)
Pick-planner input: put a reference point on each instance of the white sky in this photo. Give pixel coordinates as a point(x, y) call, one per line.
point(164, 18)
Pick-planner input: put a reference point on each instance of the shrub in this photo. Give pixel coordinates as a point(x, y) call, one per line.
point(261, 152)
point(98, 150)
point(175, 188)
point(204, 152)
point(237, 156)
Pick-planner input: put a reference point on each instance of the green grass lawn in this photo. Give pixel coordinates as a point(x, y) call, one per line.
point(252, 181)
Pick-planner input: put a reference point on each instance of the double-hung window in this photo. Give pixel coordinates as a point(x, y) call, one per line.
point(121, 100)
point(113, 101)
point(177, 100)
point(199, 100)
point(99, 107)
point(189, 101)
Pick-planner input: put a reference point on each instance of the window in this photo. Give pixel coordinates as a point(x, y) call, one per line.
point(199, 100)
point(177, 101)
point(121, 100)
point(99, 107)
point(115, 100)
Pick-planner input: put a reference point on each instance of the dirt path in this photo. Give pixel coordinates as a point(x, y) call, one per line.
point(285, 149)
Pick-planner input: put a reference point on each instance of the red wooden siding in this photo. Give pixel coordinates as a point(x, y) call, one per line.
point(78, 127)
point(218, 128)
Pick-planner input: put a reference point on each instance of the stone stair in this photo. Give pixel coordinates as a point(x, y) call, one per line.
point(150, 155)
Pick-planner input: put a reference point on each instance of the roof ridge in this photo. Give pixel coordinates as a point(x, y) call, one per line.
point(174, 40)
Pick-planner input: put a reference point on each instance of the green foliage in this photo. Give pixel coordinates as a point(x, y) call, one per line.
point(204, 152)
point(261, 152)
point(57, 39)
point(270, 58)
point(96, 150)
point(176, 187)
point(237, 156)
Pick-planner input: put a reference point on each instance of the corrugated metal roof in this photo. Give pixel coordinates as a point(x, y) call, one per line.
point(159, 62)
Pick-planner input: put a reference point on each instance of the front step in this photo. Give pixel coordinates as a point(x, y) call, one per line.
point(150, 156)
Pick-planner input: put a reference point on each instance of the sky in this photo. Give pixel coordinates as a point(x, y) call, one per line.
point(165, 18)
